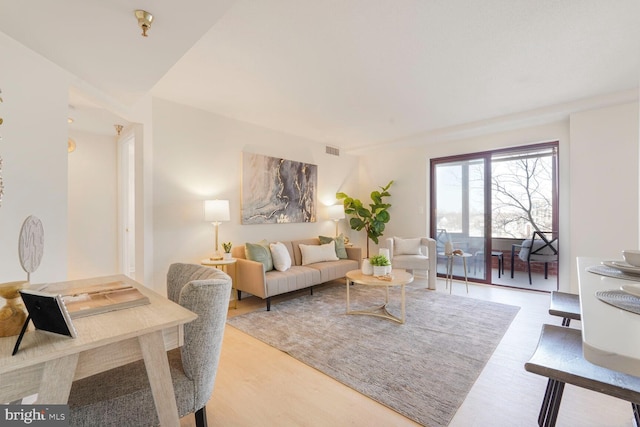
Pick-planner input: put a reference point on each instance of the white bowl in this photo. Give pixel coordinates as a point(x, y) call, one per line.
point(631, 257)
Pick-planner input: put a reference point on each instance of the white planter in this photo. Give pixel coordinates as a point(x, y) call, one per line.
point(226, 255)
point(367, 268)
point(388, 269)
point(379, 270)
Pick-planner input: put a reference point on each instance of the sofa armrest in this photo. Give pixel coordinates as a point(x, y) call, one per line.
point(355, 254)
point(250, 277)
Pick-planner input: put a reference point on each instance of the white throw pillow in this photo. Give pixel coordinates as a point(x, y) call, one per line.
point(281, 257)
point(406, 246)
point(318, 253)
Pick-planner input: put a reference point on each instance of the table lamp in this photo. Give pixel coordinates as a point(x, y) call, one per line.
point(216, 211)
point(336, 213)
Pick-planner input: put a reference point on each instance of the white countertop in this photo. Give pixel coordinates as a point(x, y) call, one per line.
point(610, 336)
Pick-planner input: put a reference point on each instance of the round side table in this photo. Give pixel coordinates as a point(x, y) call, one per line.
point(223, 264)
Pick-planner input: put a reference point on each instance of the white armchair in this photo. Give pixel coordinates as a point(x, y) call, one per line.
point(414, 254)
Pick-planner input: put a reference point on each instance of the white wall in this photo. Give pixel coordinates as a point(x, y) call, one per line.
point(92, 206)
point(604, 183)
point(197, 156)
point(34, 149)
point(598, 151)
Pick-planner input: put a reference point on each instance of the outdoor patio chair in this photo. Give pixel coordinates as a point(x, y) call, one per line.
point(542, 247)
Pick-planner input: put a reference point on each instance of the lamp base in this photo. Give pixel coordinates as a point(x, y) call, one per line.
point(216, 257)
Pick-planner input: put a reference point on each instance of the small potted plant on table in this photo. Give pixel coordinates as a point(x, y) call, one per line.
point(227, 250)
point(380, 264)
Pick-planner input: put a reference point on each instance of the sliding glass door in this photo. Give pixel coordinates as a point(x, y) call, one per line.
point(459, 213)
point(488, 204)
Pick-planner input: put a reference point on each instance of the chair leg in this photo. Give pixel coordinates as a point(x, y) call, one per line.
point(239, 295)
point(201, 417)
point(544, 409)
point(554, 406)
point(636, 413)
point(268, 303)
point(529, 270)
point(546, 270)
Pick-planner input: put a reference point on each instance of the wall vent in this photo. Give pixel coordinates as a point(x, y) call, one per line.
point(332, 150)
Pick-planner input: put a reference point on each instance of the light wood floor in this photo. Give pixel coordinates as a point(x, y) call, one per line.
point(258, 385)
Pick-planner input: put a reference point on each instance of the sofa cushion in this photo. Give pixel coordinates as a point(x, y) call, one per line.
point(280, 256)
point(318, 253)
point(341, 252)
point(259, 252)
point(332, 270)
point(406, 246)
point(297, 277)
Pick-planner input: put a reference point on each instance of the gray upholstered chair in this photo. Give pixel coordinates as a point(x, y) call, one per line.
point(122, 397)
point(414, 254)
point(542, 247)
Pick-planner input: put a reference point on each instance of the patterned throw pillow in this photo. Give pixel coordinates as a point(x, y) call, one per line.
point(341, 252)
point(259, 252)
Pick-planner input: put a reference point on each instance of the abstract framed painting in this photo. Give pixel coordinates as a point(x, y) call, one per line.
point(277, 191)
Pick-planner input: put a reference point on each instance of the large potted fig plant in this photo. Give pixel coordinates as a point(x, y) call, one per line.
point(371, 219)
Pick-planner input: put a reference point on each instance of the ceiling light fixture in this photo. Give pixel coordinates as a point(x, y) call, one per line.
point(118, 129)
point(144, 20)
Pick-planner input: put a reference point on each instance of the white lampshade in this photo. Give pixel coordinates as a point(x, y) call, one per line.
point(216, 210)
point(336, 212)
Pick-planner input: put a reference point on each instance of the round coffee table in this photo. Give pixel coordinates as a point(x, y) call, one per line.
point(397, 278)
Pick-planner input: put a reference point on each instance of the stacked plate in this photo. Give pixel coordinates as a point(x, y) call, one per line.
point(623, 267)
point(631, 289)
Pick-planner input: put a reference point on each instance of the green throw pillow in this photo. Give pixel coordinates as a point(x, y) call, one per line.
point(259, 252)
point(341, 252)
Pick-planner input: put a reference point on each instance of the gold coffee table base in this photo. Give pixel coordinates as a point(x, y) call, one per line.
point(400, 278)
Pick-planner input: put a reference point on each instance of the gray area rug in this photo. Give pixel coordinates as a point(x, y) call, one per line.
point(422, 369)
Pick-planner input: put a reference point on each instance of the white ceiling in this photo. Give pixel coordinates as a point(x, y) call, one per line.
point(349, 73)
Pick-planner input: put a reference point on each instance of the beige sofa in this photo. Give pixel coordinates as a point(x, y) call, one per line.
point(250, 276)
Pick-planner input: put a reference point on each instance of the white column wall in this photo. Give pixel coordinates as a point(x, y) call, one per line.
point(34, 150)
point(93, 202)
point(604, 183)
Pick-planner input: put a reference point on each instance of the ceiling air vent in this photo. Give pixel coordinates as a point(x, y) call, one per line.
point(332, 150)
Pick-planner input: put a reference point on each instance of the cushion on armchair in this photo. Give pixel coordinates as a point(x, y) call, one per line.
point(548, 253)
point(406, 246)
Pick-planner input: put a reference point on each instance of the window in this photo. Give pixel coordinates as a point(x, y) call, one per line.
point(523, 192)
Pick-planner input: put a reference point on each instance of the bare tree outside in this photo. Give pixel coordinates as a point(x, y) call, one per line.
point(522, 192)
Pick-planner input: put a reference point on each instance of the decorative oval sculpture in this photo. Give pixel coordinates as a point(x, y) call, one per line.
point(31, 244)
